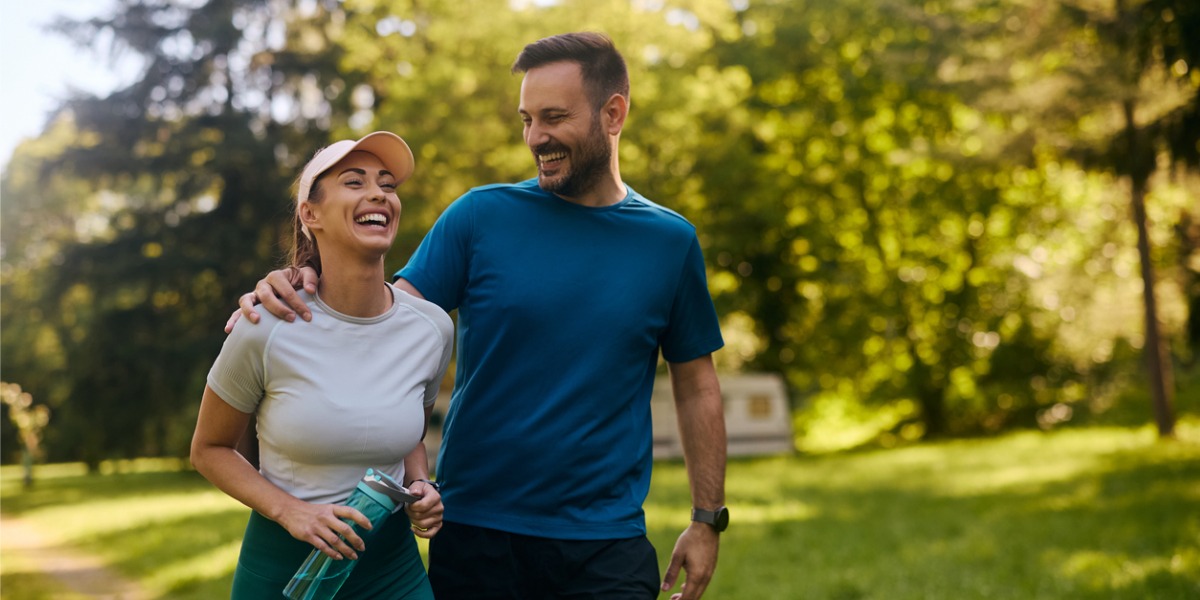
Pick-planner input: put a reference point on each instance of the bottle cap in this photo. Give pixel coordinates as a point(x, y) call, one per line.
point(383, 489)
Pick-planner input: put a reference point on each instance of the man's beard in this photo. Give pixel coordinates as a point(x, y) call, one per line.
point(589, 164)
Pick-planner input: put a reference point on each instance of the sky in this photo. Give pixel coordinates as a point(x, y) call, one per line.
point(38, 68)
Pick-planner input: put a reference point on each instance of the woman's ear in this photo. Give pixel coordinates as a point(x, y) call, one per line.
point(308, 216)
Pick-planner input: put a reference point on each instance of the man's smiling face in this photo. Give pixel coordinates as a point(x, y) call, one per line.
point(563, 129)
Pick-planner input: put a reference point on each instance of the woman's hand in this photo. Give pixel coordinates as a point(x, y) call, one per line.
point(322, 526)
point(426, 513)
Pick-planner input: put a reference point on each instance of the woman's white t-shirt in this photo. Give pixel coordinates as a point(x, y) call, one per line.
point(336, 395)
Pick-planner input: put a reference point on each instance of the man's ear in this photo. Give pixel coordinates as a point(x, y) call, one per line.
point(308, 216)
point(614, 112)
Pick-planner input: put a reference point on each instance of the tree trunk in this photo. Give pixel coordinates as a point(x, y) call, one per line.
point(1158, 363)
point(930, 395)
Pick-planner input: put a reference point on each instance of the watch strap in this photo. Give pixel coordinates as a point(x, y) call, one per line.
point(431, 483)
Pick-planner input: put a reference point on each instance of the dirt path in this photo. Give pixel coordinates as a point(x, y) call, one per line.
point(83, 574)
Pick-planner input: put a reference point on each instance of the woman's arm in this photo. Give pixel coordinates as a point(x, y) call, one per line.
point(426, 513)
point(218, 430)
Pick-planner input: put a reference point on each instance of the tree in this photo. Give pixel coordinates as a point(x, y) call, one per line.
point(1146, 56)
point(871, 208)
point(29, 419)
point(181, 183)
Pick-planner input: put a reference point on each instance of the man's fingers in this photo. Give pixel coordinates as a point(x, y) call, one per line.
point(272, 302)
point(309, 277)
point(233, 319)
point(246, 303)
point(672, 572)
point(278, 295)
point(692, 591)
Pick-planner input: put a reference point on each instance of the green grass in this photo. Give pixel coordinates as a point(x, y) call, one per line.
point(1081, 514)
point(1099, 513)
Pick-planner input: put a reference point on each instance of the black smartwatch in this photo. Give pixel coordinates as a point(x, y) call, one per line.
point(717, 519)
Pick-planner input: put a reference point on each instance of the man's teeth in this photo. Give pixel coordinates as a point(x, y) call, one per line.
point(372, 218)
point(552, 157)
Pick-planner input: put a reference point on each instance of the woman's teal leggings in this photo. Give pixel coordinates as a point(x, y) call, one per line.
point(389, 569)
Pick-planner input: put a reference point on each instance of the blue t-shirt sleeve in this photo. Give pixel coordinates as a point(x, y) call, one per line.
point(439, 267)
point(694, 329)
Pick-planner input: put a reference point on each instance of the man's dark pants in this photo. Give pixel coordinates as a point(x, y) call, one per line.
point(476, 563)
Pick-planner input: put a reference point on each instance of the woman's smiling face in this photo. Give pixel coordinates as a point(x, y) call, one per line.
point(357, 207)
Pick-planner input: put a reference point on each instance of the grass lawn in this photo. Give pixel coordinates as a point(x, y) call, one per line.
point(1081, 514)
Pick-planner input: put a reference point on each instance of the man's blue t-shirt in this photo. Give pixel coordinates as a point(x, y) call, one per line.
point(562, 310)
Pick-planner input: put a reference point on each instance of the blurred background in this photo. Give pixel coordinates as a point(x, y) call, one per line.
point(931, 219)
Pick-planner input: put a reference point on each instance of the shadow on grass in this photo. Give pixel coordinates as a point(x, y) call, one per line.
point(71, 490)
point(27, 585)
point(195, 545)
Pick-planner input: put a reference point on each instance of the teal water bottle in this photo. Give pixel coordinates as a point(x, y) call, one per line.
point(320, 577)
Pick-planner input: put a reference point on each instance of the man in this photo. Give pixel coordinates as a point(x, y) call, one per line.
point(567, 287)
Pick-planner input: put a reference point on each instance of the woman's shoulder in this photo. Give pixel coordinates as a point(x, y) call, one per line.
point(430, 311)
point(268, 322)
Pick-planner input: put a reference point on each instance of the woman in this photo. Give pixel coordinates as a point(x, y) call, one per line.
point(349, 390)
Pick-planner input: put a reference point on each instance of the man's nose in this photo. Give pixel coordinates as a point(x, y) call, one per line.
point(535, 135)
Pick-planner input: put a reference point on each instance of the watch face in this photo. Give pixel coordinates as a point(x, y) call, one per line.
point(722, 519)
point(717, 519)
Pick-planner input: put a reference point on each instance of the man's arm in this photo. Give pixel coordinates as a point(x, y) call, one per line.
point(403, 285)
point(702, 431)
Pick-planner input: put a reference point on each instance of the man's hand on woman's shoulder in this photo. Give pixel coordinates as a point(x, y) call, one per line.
point(277, 294)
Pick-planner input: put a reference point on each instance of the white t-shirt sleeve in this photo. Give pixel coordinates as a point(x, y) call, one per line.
point(445, 329)
point(239, 375)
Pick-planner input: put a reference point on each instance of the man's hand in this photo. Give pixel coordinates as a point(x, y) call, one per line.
point(277, 293)
point(696, 553)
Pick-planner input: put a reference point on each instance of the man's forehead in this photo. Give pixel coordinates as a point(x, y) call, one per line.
point(556, 86)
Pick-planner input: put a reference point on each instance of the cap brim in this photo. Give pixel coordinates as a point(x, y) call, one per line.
point(390, 148)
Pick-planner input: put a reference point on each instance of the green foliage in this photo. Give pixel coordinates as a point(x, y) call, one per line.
point(161, 208)
point(891, 194)
point(885, 200)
